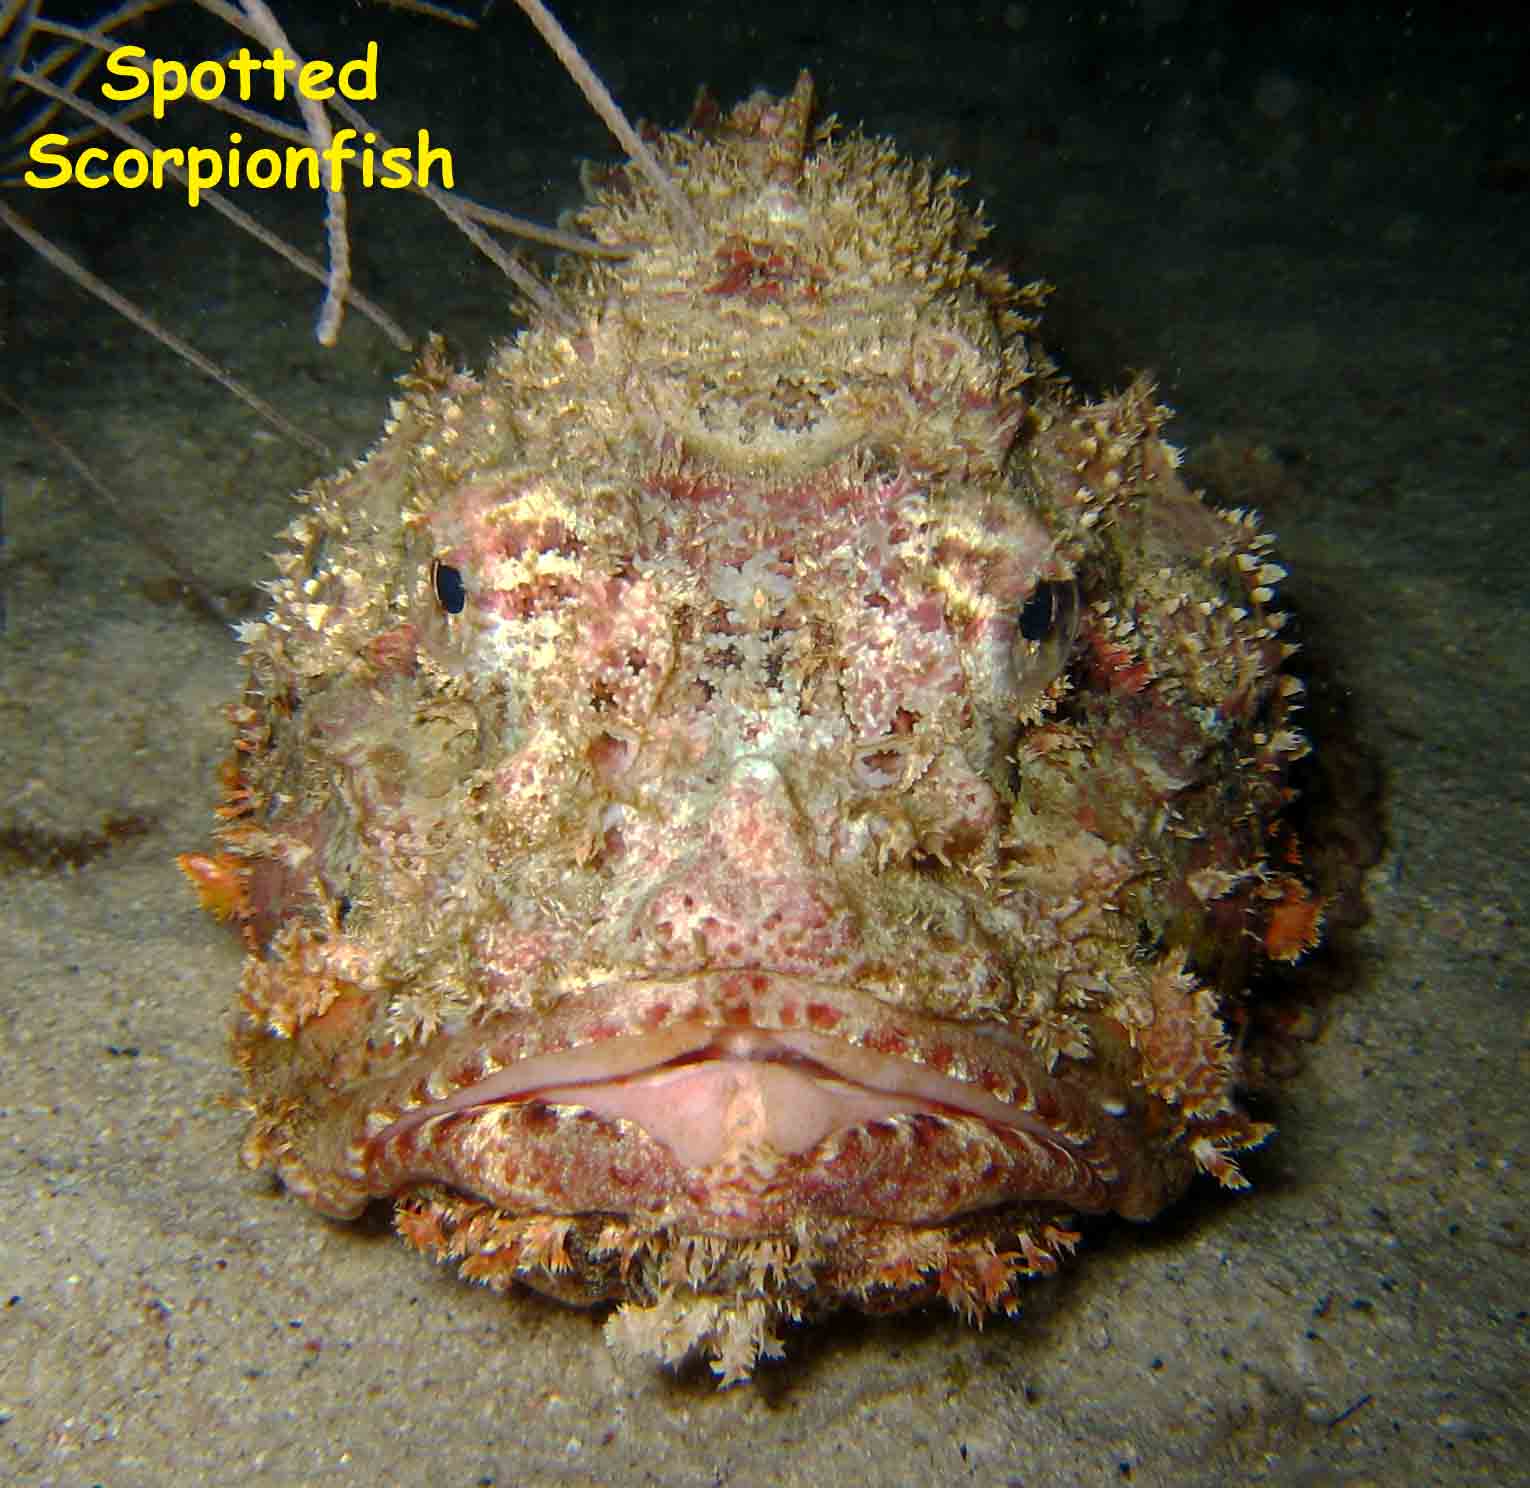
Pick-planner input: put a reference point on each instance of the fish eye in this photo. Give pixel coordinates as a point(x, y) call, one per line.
point(1044, 634)
point(1050, 606)
point(450, 591)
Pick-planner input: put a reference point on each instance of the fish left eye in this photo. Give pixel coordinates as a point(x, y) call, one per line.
point(1052, 607)
point(1044, 633)
point(1044, 610)
point(450, 591)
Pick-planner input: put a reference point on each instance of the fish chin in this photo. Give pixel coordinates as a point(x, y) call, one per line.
point(718, 1182)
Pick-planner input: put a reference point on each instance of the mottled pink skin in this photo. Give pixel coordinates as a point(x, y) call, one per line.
point(762, 877)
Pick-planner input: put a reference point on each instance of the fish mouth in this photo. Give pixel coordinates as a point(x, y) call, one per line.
point(735, 1102)
point(707, 1094)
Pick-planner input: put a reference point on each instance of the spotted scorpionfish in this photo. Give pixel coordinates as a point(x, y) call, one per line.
point(763, 800)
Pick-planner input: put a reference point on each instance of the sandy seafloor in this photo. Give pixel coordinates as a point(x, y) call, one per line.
point(1314, 230)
